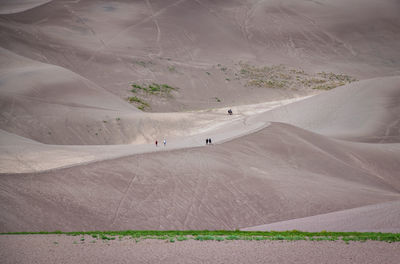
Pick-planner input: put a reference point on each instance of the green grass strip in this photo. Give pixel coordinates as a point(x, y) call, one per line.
point(221, 235)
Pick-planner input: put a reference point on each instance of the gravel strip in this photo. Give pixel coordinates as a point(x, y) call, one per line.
point(68, 249)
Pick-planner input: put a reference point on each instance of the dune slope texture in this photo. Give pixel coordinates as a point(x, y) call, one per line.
point(279, 173)
point(87, 87)
point(365, 111)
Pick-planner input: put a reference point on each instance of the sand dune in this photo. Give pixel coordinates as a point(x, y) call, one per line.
point(16, 6)
point(366, 111)
point(53, 105)
point(279, 173)
point(373, 218)
point(80, 157)
point(177, 42)
point(20, 155)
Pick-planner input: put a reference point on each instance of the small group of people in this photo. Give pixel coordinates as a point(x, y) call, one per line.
point(208, 141)
point(164, 141)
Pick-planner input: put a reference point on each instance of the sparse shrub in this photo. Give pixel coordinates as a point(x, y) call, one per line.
point(142, 104)
point(153, 89)
point(278, 76)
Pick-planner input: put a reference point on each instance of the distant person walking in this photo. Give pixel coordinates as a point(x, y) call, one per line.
point(156, 143)
point(165, 142)
point(207, 141)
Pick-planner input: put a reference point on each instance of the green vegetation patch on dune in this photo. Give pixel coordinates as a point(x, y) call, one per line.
point(149, 90)
point(282, 77)
point(153, 89)
point(142, 105)
point(221, 235)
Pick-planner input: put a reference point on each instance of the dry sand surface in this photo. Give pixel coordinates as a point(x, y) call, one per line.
point(20, 154)
point(373, 218)
point(43, 249)
point(16, 6)
point(366, 111)
point(279, 173)
point(177, 42)
point(77, 153)
point(276, 172)
point(86, 87)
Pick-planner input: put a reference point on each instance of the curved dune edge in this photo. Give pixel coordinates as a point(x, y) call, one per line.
point(17, 6)
point(364, 111)
point(372, 218)
point(97, 168)
point(329, 113)
point(277, 173)
point(23, 155)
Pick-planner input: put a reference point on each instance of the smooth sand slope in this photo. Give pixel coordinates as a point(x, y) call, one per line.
point(19, 154)
point(196, 45)
point(366, 111)
point(65, 74)
point(16, 6)
point(52, 105)
point(372, 218)
point(279, 173)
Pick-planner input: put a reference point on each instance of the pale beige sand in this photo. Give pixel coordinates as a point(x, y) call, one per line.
point(16, 6)
point(67, 109)
point(115, 43)
point(42, 249)
point(367, 111)
point(65, 70)
point(353, 112)
point(19, 154)
point(373, 218)
point(278, 173)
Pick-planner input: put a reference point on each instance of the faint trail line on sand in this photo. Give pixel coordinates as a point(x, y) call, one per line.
point(123, 199)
